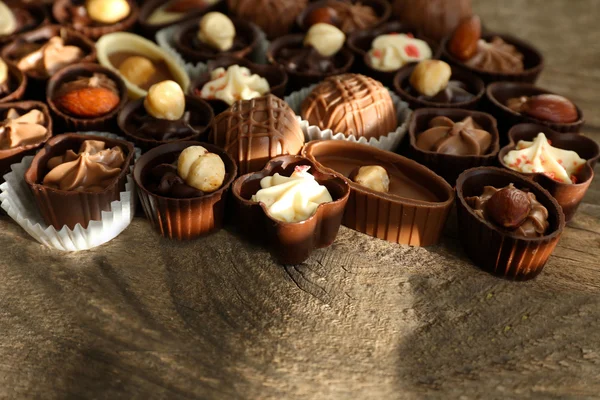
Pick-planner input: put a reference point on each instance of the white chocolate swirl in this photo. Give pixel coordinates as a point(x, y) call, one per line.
point(392, 51)
point(237, 83)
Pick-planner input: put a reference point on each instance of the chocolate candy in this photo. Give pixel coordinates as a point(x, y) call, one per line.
point(274, 17)
point(459, 138)
point(545, 107)
point(353, 17)
point(87, 97)
point(254, 131)
point(496, 56)
point(352, 104)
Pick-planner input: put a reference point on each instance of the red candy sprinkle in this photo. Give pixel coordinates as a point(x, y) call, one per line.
point(410, 35)
point(550, 142)
point(550, 174)
point(411, 50)
point(559, 161)
point(377, 53)
point(573, 179)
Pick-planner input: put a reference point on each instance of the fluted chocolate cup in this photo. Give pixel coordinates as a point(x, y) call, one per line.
point(499, 93)
point(67, 207)
point(568, 195)
point(496, 250)
point(290, 242)
point(473, 83)
point(182, 219)
point(93, 31)
point(413, 212)
point(450, 166)
point(71, 123)
point(275, 75)
point(17, 84)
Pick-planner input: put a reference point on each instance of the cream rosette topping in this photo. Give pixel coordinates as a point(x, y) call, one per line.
point(237, 83)
point(22, 130)
point(392, 51)
point(294, 198)
point(539, 156)
point(51, 57)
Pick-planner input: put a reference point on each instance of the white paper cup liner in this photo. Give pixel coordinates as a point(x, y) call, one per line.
point(166, 40)
point(389, 142)
point(19, 203)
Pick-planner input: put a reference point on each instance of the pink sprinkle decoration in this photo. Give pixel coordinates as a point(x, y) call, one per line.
point(559, 161)
point(377, 53)
point(411, 50)
point(410, 35)
point(302, 169)
point(573, 179)
point(551, 175)
point(550, 142)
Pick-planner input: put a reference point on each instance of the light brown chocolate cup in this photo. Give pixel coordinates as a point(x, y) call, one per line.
point(450, 166)
point(186, 33)
point(63, 207)
point(274, 74)
point(290, 242)
point(36, 10)
point(17, 81)
point(499, 93)
point(568, 195)
point(387, 216)
point(296, 79)
point(61, 15)
point(200, 111)
point(360, 44)
point(182, 219)
point(67, 122)
point(474, 85)
point(533, 61)
point(382, 9)
point(15, 155)
point(148, 7)
point(493, 249)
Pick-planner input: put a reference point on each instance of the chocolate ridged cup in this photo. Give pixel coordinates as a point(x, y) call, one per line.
point(275, 75)
point(17, 82)
point(568, 195)
point(450, 166)
point(533, 61)
point(187, 32)
point(297, 79)
point(382, 9)
point(68, 207)
point(37, 11)
point(93, 31)
point(15, 155)
point(413, 212)
point(36, 86)
point(70, 123)
point(200, 111)
point(148, 7)
point(473, 83)
point(493, 249)
point(189, 218)
point(499, 93)
point(289, 242)
point(360, 44)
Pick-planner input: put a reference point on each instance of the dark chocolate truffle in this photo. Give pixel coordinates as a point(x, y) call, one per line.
point(352, 104)
point(459, 138)
point(274, 17)
point(254, 131)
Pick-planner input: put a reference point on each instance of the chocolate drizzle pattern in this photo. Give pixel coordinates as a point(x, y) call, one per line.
point(352, 104)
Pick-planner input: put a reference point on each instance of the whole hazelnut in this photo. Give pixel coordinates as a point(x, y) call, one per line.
point(430, 77)
point(137, 70)
point(201, 169)
point(3, 72)
point(217, 31)
point(165, 100)
point(374, 177)
point(508, 207)
point(107, 11)
point(325, 38)
point(325, 15)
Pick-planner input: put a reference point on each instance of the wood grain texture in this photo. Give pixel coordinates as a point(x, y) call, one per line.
point(144, 317)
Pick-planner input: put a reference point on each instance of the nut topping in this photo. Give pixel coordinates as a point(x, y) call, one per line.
point(463, 43)
point(107, 11)
point(201, 169)
point(325, 38)
point(374, 177)
point(137, 70)
point(90, 102)
point(546, 107)
point(217, 31)
point(325, 15)
point(165, 100)
point(430, 77)
point(509, 207)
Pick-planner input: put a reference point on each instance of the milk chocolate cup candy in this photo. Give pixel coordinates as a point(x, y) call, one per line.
point(533, 61)
point(290, 242)
point(189, 218)
point(17, 82)
point(201, 117)
point(69, 122)
point(473, 83)
point(499, 93)
point(61, 13)
point(15, 155)
point(186, 35)
point(274, 74)
point(493, 249)
point(296, 79)
point(568, 195)
point(63, 207)
point(37, 11)
point(149, 30)
point(450, 166)
point(412, 212)
point(360, 43)
point(382, 9)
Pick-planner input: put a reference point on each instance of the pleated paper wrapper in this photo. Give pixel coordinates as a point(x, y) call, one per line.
point(19, 203)
point(389, 142)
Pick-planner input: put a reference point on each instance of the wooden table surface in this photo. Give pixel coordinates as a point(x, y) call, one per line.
point(144, 317)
